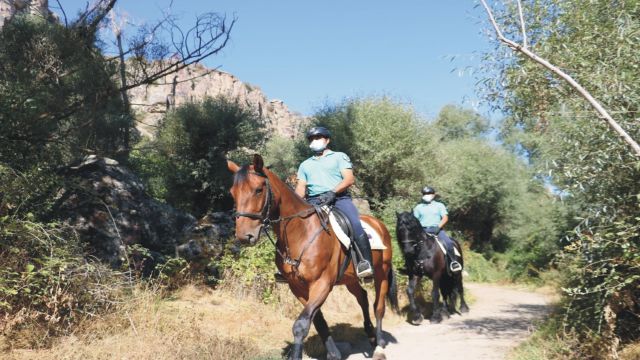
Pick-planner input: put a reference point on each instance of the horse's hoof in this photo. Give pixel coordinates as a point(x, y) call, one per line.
point(464, 309)
point(378, 354)
point(435, 320)
point(445, 314)
point(334, 356)
point(372, 342)
point(417, 320)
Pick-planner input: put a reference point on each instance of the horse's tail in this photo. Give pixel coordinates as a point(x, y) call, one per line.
point(392, 293)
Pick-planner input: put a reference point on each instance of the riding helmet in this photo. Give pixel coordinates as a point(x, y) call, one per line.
point(319, 130)
point(428, 190)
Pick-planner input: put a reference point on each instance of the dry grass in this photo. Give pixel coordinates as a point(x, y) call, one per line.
point(198, 322)
point(631, 352)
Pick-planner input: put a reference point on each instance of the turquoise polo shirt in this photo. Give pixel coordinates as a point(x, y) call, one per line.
point(323, 173)
point(430, 214)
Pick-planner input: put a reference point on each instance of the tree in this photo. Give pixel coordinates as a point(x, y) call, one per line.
point(55, 96)
point(556, 130)
point(387, 143)
point(191, 148)
point(524, 49)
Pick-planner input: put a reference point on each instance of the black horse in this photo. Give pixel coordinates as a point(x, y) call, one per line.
point(423, 256)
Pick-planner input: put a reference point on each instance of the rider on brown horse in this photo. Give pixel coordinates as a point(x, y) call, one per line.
point(324, 179)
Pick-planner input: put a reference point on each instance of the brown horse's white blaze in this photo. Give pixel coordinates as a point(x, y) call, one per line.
point(308, 256)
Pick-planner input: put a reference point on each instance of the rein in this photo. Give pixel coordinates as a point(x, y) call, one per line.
point(265, 218)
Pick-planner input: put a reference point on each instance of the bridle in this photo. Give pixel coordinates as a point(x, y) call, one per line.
point(266, 221)
point(264, 214)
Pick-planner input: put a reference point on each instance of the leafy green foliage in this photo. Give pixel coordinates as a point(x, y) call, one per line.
point(57, 97)
point(253, 267)
point(186, 164)
point(494, 200)
point(596, 43)
point(384, 140)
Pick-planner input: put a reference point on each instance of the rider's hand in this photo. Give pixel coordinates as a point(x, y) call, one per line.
point(328, 198)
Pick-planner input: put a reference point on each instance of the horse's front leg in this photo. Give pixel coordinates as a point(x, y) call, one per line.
point(436, 316)
point(416, 315)
point(318, 293)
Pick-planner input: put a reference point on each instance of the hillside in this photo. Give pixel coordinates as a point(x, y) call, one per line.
point(196, 82)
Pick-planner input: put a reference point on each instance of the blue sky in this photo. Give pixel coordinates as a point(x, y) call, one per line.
point(310, 53)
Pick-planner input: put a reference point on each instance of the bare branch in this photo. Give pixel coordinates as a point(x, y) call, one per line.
point(522, 25)
point(573, 83)
point(91, 19)
point(154, 59)
point(64, 14)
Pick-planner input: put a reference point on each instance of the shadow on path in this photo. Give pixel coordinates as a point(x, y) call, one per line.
point(349, 339)
point(509, 322)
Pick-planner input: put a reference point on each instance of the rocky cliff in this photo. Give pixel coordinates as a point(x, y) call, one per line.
point(197, 82)
point(10, 8)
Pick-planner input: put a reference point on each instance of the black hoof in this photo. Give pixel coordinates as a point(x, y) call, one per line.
point(334, 356)
point(417, 320)
point(436, 320)
point(464, 309)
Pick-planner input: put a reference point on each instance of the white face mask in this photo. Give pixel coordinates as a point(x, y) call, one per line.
point(428, 197)
point(318, 145)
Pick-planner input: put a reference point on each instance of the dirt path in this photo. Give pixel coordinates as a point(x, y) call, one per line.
point(499, 319)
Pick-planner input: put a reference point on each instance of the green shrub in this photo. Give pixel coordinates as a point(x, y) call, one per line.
point(253, 268)
point(58, 99)
point(46, 284)
point(186, 164)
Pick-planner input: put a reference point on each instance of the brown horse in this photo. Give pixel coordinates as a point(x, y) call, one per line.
point(308, 253)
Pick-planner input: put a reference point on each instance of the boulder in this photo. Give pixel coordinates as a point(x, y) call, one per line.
point(109, 209)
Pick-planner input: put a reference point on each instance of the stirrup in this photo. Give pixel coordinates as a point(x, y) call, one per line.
point(364, 270)
point(455, 266)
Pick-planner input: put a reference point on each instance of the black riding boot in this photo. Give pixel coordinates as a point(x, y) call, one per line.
point(364, 269)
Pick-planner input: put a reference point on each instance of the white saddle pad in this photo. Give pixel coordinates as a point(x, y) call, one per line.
point(374, 238)
point(455, 250)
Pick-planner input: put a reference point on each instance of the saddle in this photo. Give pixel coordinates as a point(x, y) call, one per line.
point(343, 229)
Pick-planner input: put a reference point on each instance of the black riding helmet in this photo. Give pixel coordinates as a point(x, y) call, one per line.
point(428, 190)
point(318, 130)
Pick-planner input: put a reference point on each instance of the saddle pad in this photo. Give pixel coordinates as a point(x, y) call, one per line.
point(455, 250)
point(374, 238)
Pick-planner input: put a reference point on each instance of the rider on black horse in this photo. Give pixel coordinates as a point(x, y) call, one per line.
point(433, 216)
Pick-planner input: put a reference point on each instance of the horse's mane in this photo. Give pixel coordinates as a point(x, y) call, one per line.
point(408, 222)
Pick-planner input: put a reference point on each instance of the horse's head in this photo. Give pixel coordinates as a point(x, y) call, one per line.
point(408, 231)
point(253, 199)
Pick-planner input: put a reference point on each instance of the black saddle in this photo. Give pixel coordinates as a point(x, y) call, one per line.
point(343, 221)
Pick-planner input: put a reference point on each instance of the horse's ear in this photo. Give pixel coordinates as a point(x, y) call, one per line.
point(258, 163)
point(233, 167)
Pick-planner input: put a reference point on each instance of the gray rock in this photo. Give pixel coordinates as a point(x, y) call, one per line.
point(109, 209)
